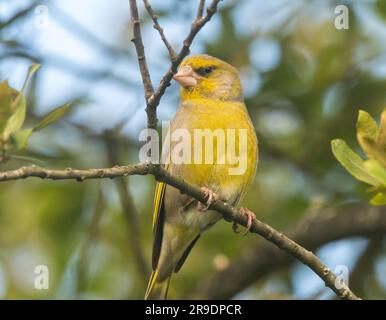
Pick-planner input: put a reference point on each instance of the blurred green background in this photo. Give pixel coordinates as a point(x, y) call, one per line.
point(304, 82)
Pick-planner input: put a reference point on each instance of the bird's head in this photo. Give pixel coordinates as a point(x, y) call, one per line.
point(206, 77)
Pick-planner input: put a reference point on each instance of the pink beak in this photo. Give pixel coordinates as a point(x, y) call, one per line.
point(186, 77)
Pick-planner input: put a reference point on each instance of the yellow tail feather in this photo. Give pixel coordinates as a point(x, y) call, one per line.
point(157, 290)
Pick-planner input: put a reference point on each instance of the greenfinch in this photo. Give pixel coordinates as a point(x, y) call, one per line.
point(211, 98)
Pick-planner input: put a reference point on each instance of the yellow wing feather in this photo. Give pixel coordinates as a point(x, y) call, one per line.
point(158, 199)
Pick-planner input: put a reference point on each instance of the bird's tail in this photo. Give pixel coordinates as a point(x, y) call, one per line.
point(157, 290)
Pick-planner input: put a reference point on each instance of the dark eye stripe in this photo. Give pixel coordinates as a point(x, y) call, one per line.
point(204, 70)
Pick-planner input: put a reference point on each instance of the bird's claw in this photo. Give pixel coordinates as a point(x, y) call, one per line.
point(235, 227)
point(250, 216)
point(211, 198)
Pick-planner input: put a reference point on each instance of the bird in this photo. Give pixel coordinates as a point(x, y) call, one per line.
point(211, 98)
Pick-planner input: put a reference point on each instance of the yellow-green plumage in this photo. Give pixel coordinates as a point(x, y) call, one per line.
point(214, 102)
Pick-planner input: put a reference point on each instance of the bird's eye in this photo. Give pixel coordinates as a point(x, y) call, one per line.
point(204, 71)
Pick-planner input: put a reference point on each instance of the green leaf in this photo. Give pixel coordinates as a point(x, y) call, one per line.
point(375, 169)
point(367, 132)
point(367, 126)
point(379, 199)
point(353, 163)
point(16, 121)
point(381, 141)
point(7, 94)
point(368, 136)
point(36, 161)
point(53, 116)
point(20, 138)
point(31, 71)
point(13, 106)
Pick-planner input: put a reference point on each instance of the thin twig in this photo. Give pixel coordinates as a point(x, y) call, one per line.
point(138, 43)
point(157, 26)
point(229, 213)
point(200, 11)
point(153, 99)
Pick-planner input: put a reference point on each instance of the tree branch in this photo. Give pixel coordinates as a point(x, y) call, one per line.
point(140, 49)
point(172, 53)
point(79, 175)
point(153, 100)
point(279, 239)
point(229, 213)
point(200, 11)
point(262, 259)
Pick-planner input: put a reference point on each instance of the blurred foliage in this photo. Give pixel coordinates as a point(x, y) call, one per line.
point(372, 139)
point(304, 83)
point(13, 109)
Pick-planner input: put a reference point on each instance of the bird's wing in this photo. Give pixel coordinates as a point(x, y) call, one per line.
point(181, 262)
point(158, 221)
point(158, 213)
point(177, 199)
point(181, 202)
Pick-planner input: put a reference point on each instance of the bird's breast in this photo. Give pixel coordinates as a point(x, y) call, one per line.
point(222, 151)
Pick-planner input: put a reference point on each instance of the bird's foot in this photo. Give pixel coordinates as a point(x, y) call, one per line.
point(250, 216)
point(210, 196)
